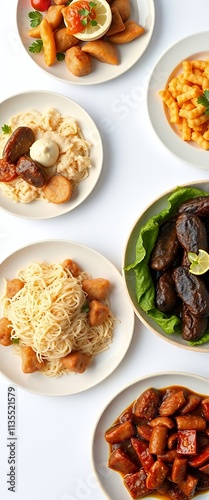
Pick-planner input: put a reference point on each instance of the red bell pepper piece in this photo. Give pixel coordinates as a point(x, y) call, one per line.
point(200, 459)
point(187, 442)
point(142, 450)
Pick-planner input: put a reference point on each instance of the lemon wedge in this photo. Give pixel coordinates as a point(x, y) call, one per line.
point(103, 19)
point(199, 262)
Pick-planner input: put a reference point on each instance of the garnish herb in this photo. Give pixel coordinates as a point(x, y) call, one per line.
point(204, 99)
point(85, 308)
point(60, 56)
point(86, 13)
point(35, 18)
point(15, 341)
point(36, 47)
point(6, 129)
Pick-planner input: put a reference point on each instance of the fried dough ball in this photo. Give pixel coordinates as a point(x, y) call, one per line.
point(72, 267)
point(58, 189)
point(30, 362)
point(132, 30)
point(96, 288)
point(63, 40)
point(78, 63)
point(98, 313)
point(104, 51)
point(13, 286)
point(76, 362)
point(5, 331)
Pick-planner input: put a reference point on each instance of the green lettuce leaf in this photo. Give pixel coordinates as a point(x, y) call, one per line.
point(145, 289)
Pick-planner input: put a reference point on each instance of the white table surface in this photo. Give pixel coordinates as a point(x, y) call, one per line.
point(53, 454)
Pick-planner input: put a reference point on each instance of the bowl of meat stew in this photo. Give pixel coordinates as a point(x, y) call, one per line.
point(166, 296)
point(140, 447)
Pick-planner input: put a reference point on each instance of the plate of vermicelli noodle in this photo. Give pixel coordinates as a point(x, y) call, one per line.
point(65, 322)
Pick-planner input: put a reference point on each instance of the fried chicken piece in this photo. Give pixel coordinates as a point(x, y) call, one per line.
point(63, 40)
point(123, 7)
point(72, 267)
point(5, 331)
point(96, 288)
point(30, 362)
point(98, 313)
point(117, 23)
point(13, 286)
point(78, 63)
point(76, 362)
point(104, 51)
point(132, 30)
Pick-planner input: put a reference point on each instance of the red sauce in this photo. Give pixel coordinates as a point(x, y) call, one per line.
point(78, 15)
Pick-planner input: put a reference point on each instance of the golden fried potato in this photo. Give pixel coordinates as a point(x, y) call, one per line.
point(132, 30)
point(35, 32)
point(72, 267)
point(117, 23)
point(124, 8)
point(78, 63)
point(76, 362)
point(54, 18)
point(103, 51)
point(96, 288)
point(13, 286)
point(63, 40)
point(58, 189)
point(98, 313)
point(49, 46)
point(5, 332)
point(30, 362)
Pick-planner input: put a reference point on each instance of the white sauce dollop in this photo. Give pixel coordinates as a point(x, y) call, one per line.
point(45, 152)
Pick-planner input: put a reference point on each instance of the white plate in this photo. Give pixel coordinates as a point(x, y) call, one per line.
point(129, 276)
point(105, 363)
point(192, 47)
point(142, 11)
point(110, 481)
point(41, 101)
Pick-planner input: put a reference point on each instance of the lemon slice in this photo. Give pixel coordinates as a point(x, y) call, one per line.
point(199, 263)
point(103, 19)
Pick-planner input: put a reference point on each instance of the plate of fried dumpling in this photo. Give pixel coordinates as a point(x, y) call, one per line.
point(89, 62)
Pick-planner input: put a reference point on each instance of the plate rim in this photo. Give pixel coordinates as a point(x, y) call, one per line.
point(170, 140)
point(109, 78)
point(118, 275)
point(63, 208)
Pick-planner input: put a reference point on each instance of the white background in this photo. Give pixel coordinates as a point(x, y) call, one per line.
point(54, 434)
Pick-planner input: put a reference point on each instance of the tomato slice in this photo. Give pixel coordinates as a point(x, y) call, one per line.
point(7, 171)
point(41, 5)
point(78, 15)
